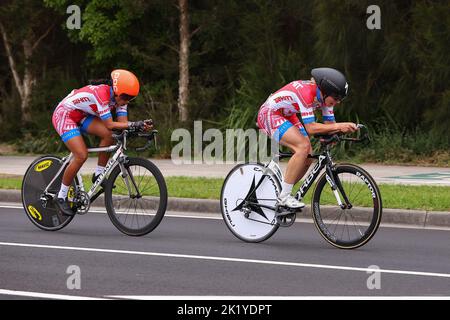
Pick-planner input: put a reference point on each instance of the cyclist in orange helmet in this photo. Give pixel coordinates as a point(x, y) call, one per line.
point(88, 110)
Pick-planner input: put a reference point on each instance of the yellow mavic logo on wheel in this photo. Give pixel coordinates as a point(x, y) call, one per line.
point(34, 213)
point(71, 195)
point(41, 166)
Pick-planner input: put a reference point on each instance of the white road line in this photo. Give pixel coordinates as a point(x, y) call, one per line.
point(45, 295)
point(11, 207)
point(31, 294)
point(282, 298)
point(238, 260)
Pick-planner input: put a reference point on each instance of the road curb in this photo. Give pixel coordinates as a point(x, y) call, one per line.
point(417, 218)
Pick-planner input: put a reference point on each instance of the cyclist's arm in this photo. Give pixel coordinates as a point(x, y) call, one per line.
point(322, 128)
point(106, 117)
point(122, 114)
point(115, 125)
point(312, 127)
point(330, 128)
point(329, 125)
point(122, 119)
point(104, 112)
point(142, 125)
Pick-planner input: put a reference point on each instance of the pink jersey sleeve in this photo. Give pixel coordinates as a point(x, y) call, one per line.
point(328, 114)
point(102, 95)
point(122, 111)
point(305, 91)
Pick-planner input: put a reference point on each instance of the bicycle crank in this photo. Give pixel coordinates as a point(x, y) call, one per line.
point(285, 217)
point(82, 202)
point(286, 220)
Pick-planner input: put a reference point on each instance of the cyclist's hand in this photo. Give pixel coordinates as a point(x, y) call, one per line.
point(148, 125)
point(347, 127)
point(140, 126)
point(136, 126)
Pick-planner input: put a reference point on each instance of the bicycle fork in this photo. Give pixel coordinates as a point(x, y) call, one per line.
point(127, 175)
point(335, 184)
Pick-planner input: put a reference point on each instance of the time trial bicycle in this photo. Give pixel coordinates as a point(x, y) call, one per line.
point(135, 191)
point(346, 203)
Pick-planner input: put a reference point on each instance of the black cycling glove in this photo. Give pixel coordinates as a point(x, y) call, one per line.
point(136, 126)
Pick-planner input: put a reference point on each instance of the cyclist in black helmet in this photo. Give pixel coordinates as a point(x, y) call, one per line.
point(278, 118)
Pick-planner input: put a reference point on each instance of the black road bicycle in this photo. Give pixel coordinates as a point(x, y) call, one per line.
point(346, 205)
point(134, 189)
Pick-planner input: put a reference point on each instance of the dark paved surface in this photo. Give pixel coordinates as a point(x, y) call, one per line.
point(139, 272)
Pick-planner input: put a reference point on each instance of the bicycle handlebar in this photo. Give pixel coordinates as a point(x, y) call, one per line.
point(122, 138)
point(337, 137)
point(151, 136)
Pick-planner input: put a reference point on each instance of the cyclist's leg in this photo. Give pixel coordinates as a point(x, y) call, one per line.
point(95, 126)
point(285, 132)
point(297, 164)
point(78, 148)
point(68, 129)
point(301, 147)
point(70, 134)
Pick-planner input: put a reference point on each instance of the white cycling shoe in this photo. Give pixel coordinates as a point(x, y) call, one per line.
point(290, 202)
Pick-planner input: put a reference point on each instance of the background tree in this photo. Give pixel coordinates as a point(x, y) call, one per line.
point(185, 39)
point(21, 38)
point(242, 51)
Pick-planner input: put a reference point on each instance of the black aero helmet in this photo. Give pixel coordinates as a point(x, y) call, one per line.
point(331, 82)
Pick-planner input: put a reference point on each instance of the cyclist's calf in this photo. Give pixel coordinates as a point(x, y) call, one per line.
point(79, 158)
point(299, 163)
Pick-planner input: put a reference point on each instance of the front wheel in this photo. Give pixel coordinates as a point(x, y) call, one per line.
point(353, 226)
point(239, 201)
point(136, 200)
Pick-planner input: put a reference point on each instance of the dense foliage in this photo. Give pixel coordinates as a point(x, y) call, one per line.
point(241, 51)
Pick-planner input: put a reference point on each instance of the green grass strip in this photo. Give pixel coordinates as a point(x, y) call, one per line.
point(433, 198)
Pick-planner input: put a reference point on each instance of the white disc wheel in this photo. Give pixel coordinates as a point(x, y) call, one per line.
point(245, 188)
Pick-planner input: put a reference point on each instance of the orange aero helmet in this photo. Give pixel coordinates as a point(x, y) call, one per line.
point(124, 82)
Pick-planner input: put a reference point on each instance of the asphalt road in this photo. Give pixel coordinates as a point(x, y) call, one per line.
point(199, 257)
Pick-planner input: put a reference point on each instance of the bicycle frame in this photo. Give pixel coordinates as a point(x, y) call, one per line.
point(117, 159)
point(324, 161)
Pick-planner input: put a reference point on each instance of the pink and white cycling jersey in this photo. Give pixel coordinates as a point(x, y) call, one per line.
point(81, 106)
point(298, 97)
point(278, 113)
point(94, 100)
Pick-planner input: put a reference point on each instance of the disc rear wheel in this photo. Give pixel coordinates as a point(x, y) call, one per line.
point(239, 201)
point(41, 209)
